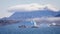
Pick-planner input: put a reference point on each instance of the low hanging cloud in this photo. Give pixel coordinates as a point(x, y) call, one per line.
point(32, 7)
point(45, 20)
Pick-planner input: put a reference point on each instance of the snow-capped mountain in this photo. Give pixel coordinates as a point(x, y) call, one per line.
point(33, 14)
point(26, 11)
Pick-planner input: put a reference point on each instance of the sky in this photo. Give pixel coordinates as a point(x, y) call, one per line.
point(5, 4)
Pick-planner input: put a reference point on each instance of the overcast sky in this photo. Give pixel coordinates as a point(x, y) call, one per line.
point(5, 4)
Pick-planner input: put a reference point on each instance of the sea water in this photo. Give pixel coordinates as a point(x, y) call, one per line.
point(14, 29)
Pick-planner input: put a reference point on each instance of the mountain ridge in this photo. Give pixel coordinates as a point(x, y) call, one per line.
point(33, 14)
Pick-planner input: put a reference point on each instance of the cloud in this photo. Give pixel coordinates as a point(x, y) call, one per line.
point(45, 19)
point(54, 19)
point(32, 7)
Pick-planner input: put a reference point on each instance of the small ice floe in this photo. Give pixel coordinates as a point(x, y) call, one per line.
point(54, 24)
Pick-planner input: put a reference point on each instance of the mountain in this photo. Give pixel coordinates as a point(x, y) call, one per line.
point(33, 11)
point(57, 15)
point(33, 14)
